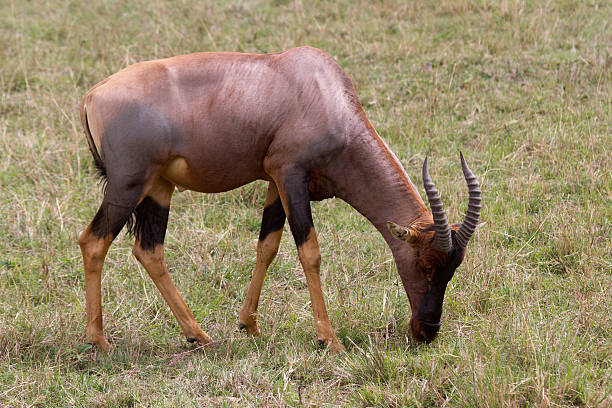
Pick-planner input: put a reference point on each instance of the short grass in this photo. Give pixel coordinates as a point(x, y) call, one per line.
point(523, 88)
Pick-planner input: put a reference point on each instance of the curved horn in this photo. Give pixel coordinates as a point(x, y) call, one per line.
point(474, 205)
point(442, 239)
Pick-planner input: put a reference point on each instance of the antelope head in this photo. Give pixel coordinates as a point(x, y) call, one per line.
point(439, 249)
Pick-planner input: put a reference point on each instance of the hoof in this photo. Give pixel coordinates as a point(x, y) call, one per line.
point(207, 344)
point(337, 347)
point(201, 338)
point(252, 330)
point(101, 344)
point(334, 345)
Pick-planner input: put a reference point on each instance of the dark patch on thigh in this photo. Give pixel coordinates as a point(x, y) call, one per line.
point(273, 219)
point(136, 139)
point(149, 223)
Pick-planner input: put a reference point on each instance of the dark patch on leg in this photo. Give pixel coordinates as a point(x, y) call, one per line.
point(298, 197)
point(273, 219)
point(149, 223)
point(110, 219)
point(241, 326)
point(191, 339)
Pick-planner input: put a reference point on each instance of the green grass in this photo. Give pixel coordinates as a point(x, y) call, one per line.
point(523, 88)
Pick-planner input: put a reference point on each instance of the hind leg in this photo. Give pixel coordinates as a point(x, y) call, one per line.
point(150, 230)
point(93, 249)
point(94, 242)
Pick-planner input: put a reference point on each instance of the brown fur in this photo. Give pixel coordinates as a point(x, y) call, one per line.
point(211, 122)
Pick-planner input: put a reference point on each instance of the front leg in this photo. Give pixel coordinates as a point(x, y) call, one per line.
point(310, 258)
point(293, 189)
point(270, 235)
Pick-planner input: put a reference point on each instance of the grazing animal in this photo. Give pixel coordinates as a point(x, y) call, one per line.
point(212, 122)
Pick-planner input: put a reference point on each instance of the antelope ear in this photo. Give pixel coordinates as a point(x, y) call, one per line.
point(407, 234)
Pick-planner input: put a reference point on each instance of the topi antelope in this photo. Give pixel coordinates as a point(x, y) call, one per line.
point(212, 122)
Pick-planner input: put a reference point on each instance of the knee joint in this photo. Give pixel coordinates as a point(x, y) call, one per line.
point(92, 247)
point(311, 260)
point(146, 256)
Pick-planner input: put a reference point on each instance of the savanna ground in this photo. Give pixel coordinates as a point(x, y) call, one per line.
point(523, 88)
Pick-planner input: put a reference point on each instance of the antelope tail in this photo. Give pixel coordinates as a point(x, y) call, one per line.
point(92, 146)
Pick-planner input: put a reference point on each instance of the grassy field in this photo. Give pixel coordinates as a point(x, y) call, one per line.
point(523, 88)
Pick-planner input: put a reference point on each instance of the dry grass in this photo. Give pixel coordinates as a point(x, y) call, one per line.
point(523, 88)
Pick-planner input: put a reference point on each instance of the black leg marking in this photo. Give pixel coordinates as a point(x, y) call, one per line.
point(149, 223)
point(273, 219)
point(298, 197)
point(110, 219)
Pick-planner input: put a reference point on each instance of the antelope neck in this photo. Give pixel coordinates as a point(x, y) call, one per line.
point(375, 184)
